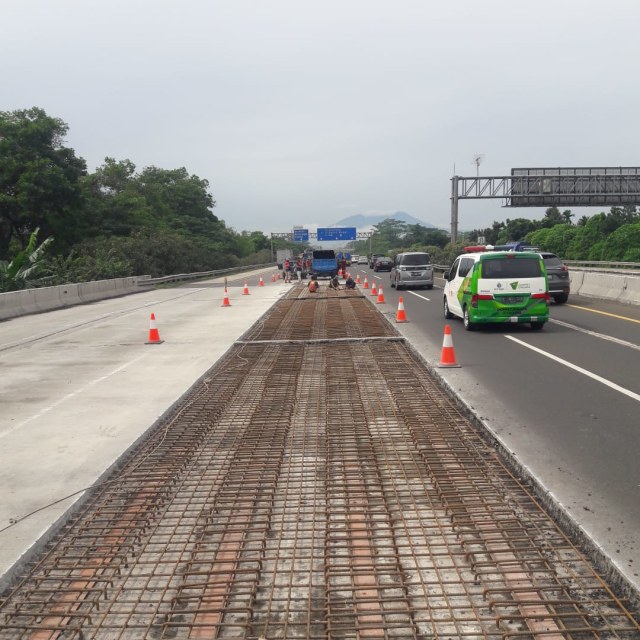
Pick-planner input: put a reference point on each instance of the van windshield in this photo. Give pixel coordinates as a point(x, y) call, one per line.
point(415, 259)
point(327, 254)
point(511, 268)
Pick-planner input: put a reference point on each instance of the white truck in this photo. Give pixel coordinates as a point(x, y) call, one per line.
point(282, 255)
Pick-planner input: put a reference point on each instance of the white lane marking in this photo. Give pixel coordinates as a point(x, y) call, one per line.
point(589, 374)
point(40, 413)
point(413, 293)
point(602, 336)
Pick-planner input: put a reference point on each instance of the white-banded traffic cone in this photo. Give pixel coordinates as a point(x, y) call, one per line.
point(245, 291)
point(401, 316)
point(154, 334)
point(448, 355)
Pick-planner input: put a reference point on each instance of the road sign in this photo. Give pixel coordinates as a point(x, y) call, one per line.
point(336, 233)
point(301, 235)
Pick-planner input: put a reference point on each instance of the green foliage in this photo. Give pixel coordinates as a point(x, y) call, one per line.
point(40, 180)
point(26, 268)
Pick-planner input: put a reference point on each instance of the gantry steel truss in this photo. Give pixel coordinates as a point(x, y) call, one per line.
point(549, 187)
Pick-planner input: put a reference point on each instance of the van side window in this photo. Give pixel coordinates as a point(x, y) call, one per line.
point(454, 269)
point(465, 266)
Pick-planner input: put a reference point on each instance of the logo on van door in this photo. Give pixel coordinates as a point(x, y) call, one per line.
point(514, 285)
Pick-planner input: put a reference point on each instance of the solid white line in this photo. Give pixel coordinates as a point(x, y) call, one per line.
point(608, 383)
point(413, 293)
point(602, 336)
point(40, 413)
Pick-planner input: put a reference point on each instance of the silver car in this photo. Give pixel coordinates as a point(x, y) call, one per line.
point(412, 269)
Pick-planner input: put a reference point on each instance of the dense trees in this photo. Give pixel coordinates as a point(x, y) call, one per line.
point(114, 222)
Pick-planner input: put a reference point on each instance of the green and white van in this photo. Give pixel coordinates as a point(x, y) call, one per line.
point(497, 287)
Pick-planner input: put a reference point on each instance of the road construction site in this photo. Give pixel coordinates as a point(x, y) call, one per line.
point(316, 482)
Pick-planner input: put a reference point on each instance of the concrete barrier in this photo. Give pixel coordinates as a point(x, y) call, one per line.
point(26, 301)
point(607, 286)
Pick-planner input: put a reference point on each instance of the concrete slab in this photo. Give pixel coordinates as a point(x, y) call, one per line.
point(80, 386)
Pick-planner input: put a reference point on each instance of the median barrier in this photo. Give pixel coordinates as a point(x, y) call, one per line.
point(97, 290)
point(631, 290)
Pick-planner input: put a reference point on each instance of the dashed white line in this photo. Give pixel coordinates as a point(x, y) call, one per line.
point(589, 374)
point(602, 336)
point(413, 293)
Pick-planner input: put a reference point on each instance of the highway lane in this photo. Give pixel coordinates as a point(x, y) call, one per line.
point(579, 435)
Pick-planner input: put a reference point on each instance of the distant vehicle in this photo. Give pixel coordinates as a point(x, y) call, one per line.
point(373, 257)
point(354, 259)
point(497, 287)
point(282, 255)
point(383, 264)
point(557, 276)
point(324, 263)
point(362, 260)
point(412, 269)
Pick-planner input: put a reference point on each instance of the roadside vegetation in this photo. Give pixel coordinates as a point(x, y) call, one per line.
point(117, 221)
point(612, 236)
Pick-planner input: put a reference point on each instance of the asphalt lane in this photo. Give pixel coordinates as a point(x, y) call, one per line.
point(578, 434)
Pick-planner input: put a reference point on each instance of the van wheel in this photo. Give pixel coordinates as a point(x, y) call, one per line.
point(536, 326)
point(429, 286)
point(447, 314)
point(468, 325)
point(562, 298)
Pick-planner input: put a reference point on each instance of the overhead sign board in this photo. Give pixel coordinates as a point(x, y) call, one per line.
point(301, 235)
point(336, 233)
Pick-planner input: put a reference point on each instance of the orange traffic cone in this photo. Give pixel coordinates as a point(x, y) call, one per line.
point(374, 291)
point(225, 300)
point(261, 282)
point(245, 291)
point(279, 276)
point(358, 279)
point(401, 316)
point(273, 277)
point(154, 335)
point(448, 356)
point(380, 296)
point(366, 283)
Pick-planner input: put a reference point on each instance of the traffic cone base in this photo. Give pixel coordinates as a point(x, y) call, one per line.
point(448, 355)
point(358, 281)
point(225, 300)
point(366, 283)
point(261, 282)
point(245, 291)
point(401, 315)
point(154, 334)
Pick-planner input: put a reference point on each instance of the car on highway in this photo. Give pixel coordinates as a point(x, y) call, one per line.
point(362, 260)
point(383, 264)
point(412, 269)
point(373, 257)
point(557, 276)
point(354, 259)
point(491, 287)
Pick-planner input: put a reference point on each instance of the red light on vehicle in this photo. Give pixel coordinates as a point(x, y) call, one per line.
point(542, 296)
point(475, 297)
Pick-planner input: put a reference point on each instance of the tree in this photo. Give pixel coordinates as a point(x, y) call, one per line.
point(39, 180)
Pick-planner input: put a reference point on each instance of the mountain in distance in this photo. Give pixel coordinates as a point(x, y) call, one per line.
point(362, 222)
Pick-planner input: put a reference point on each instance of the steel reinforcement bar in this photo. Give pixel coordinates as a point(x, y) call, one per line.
point(318, 483)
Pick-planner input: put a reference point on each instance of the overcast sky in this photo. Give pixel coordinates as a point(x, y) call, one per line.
point(307, 112)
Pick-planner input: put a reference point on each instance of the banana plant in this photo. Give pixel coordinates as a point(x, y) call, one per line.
point(21, 272)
